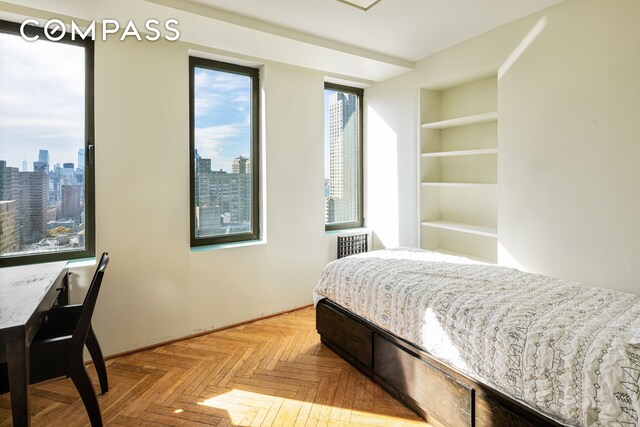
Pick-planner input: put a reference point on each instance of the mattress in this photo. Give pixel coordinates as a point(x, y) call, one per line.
point(560, 347)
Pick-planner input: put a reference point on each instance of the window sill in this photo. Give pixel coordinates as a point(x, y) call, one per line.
point(82, 262)
point(348, 231)
point(206, 248)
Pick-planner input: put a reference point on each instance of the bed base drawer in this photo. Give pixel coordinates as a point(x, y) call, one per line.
point(347, 333)
point(435, 391)
point(492, 414)
point(437, 397)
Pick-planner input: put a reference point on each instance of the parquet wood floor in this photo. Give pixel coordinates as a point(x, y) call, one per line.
point(269, 372)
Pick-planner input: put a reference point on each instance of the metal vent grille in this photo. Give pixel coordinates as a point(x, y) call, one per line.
point(350, 245)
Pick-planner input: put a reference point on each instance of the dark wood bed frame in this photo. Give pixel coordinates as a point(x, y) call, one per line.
point(438, 393)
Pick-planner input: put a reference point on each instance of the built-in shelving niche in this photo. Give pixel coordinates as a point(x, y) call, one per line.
point(458, 169)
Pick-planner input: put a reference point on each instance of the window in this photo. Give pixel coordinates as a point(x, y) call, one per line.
point(46, 147)
point(342, 157)
point(224, 152)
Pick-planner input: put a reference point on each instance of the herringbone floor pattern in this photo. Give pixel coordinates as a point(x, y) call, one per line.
point(269, 372)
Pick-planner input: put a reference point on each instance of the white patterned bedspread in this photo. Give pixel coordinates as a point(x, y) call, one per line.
point(560, 347)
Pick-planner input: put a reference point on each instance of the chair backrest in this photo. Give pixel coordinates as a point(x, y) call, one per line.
point(84, 322)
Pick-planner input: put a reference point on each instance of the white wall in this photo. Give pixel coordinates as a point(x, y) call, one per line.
point(156, 288)
point(577, 145)
point(569, 102)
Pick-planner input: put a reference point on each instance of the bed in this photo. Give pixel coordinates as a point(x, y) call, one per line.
point(467, 343)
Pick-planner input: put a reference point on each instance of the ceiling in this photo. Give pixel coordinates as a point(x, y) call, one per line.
point(405, 29)
point(346, 43)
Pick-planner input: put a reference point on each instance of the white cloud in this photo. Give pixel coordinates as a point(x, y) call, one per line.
point(206, 79)
point(215, 90)
point(222, 117)
point(41, 100)
point(209, 140)
point(203, 105)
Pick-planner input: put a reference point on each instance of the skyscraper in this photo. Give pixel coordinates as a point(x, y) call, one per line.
point(81, 158)
point(240, 164)
point(71, 206)
point(9, 182)
point(43, 161)
point(9, 231)
point(43, 156)
point(223, 199)
point(343, 150)
point(10, 201)
point(68, 174)
point(203, 174)
point(34, 194)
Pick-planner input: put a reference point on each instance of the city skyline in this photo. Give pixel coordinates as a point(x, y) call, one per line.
point(52, 73)
point(230, 166)
point(41, 210)
point(222, 198)
point(35, 158)
point(222, 108)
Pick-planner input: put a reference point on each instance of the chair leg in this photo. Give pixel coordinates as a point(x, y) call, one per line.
point(81, 380)
point(98, 360)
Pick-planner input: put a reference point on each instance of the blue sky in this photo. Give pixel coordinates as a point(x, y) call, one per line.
point(42, 106)
point(222, 116)
point(41, 100)
point(222, 107)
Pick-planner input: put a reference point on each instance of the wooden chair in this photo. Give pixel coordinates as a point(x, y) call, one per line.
point(57, 349)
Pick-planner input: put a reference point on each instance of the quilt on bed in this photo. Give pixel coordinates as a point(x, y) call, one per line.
point(560, 347)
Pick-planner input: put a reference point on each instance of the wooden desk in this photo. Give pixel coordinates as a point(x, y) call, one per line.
point(26, 295)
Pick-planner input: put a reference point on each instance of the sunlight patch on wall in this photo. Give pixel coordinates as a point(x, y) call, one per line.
point(522, 47)
point(382, 180)
point(505, 258)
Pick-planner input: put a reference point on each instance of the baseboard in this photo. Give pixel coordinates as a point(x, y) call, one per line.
point(199, 334)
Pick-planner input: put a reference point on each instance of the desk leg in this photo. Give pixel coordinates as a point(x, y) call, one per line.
point(63, 296)
point(18, 364)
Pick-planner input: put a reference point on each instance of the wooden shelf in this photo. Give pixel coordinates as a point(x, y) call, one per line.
point(462, 121)
point(462, 254)
point(478, 152)
point(459, 184)
point(464, 228)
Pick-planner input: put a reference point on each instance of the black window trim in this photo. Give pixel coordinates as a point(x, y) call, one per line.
point(359, 92)
point(254, 74)
point(89, 251)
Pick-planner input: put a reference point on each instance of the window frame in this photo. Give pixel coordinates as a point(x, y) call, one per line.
point(254, 75)
point(89, 250)
point(359, 222)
